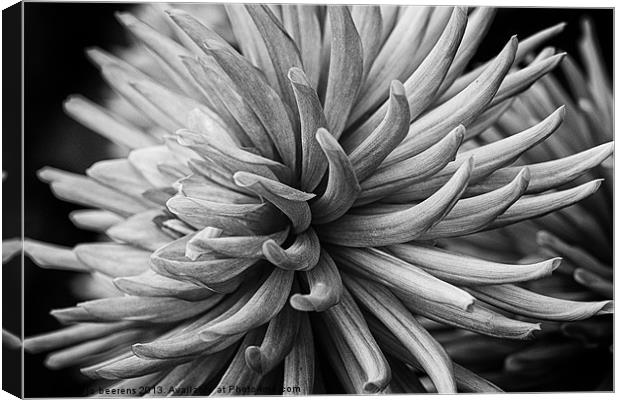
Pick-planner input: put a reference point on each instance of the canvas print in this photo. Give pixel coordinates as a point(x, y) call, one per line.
point(285, 199)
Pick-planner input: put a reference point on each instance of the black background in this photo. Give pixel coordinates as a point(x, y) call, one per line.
point(55, 67)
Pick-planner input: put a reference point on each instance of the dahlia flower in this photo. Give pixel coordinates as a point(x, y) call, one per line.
point(286, 210)
point(580, 234)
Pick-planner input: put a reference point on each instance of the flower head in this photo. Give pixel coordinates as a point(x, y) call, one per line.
point(287, 198)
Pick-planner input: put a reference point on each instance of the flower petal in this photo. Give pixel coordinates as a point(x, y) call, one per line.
point(386, 307)
point(139, 230)
point(219, 274)
point(95, 220)
point(342, 185)
point(184, 341)
point(390, 179)
point(80, 354)
point(106, 124)
point(524, 302)
point(50, 256)
point(345, 69)
point(325, 286)
point(220, 90)
point(299, 363)
point(595, 283)
point(345, 320)
point(489, 157)
point(85, 191)
point(477, 319)
point(471, 214)
point(398, 227)
point(461, 109)
point(151, 284)
point(239, 374)
point(113, 259)
point(423, 83)
point(533, 206)
point(368, 23)
point(573, 254)
point(290, 201)
point(282, 49)
point(549, 174)
point(302, 255)
point(311, 117)
point(266, 302)
point(302, 24)
point(71, 335)
point(380, 266)
point(370, 153)
point(165, 48)
point(241, 246)
point(464, 270)
point(152, 309)
point(263, 100)
point(277, 343)
point(525, 47)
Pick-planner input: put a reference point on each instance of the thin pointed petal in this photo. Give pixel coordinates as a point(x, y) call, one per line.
point(461, 109)
point(52, 256)
point(107, 125)
point(266, 302)
point(474, 213)
point(378, 265)
point(282, 49)
point(85, 191)
point(139, 230)
point(342, 185)
point(346, 320)
point(550, 174)
point(71, 335)
point(151, 284)
point(390, 179)
point(478, 319)
point(490, 157)
point(345, 69)
point(524, 302)
point(299, 363)
point(312, 118)
point(534, 206)
point(387, 308)
point(393, 129)
point(113, 259)
point(402, 226)
point(291, 202)
point(464, 270)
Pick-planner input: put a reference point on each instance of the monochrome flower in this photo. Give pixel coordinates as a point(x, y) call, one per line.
point(289, 196)
point(581, 234)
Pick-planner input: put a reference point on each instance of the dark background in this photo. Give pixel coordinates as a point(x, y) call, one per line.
point(55, 67)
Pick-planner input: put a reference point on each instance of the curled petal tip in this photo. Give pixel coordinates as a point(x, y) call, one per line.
point(397, 88)
point(607, 308)
point(296, 75)
point(555, 263)
point(310, 302)
point(254, 359)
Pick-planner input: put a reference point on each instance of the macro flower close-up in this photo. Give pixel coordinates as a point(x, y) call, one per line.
point(311, 199)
